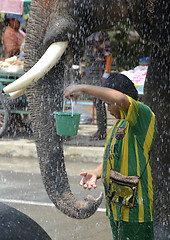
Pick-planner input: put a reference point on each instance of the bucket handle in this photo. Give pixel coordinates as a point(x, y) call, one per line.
point(71, 102)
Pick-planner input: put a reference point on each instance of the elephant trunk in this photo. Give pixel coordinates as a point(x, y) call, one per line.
point(44, 97)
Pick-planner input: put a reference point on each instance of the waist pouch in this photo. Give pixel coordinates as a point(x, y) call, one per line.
point(122, 189)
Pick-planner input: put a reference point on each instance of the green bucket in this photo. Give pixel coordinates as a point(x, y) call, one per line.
point(67, 123)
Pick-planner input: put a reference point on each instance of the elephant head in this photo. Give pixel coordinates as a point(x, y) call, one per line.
point(56, 28)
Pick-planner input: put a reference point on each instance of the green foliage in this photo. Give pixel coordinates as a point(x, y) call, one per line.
point(2, 17)
point(127, 47)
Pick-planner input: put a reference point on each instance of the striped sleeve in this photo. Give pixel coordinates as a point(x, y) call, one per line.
point(139, 117)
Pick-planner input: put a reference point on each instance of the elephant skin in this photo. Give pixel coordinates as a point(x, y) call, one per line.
point(73, 21)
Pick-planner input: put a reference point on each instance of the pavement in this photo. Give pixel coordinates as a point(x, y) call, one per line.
point(21, 184)
point(20, 144)
point(76, 148)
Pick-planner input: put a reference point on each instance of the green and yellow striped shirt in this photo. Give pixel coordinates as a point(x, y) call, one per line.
point(128, 145)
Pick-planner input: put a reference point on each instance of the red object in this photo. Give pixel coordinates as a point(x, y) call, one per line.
point(12, 40)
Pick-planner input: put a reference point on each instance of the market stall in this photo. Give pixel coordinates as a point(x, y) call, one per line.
point(10, 70)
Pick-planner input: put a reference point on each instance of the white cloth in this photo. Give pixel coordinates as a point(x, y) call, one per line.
point(106, 75)
point(11, 6)
point(138, 76)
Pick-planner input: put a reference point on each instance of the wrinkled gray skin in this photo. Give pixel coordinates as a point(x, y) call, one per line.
point(73, 21)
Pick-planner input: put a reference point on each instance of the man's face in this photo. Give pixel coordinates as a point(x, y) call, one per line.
point(114, 110)
point(15, 24)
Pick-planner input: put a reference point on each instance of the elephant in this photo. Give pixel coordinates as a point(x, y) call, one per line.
point(56, 31)
point(18, 226)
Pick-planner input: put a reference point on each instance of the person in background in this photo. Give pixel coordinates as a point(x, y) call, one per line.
point(98, 64)
point(128, 147)
point(13, 37)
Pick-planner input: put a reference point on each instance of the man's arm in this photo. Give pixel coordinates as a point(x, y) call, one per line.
point(108, 95)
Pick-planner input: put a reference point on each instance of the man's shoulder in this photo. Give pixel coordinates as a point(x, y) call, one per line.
point(139, 104)
point(144, 107)
point(9, 32)
point(8, 29)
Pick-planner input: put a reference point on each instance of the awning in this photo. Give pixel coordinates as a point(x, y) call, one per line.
point(15, 6)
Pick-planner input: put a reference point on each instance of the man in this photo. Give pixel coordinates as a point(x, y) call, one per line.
point(13, 37)
point(128, 153)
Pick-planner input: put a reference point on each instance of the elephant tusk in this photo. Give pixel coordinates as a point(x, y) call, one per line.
point(17, 94)
point(46, 62)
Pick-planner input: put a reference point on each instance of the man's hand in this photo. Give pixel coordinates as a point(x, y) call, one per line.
point(73, 91)
point(89, 180)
